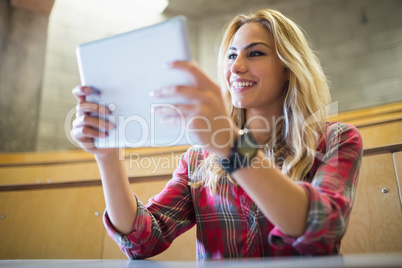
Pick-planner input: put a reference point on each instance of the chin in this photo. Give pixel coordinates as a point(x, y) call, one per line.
point(239, 104)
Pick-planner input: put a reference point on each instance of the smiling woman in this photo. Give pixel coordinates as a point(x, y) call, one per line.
point(269, 176)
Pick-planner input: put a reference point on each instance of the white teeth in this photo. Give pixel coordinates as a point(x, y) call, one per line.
point(242, 84)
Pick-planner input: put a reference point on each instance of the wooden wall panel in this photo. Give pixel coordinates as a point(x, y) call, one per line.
point(51, 224)
point(398, 170)
point(376, 221)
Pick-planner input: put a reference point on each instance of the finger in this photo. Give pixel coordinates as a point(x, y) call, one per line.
point(80, 92)
point(89, 107)
point(85, 143)
point(81, 134)
point(199, 78)
point(94, 122)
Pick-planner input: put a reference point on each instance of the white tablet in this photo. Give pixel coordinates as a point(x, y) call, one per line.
point(123, 69)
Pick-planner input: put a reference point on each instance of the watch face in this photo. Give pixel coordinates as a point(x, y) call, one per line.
point(246, 144)
point(242, 153)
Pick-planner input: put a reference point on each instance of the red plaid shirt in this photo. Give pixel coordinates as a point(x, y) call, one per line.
point(230, 225)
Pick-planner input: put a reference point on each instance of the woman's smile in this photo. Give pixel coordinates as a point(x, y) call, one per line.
point(241, 85)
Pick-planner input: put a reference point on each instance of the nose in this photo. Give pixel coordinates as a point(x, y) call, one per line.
point(239, 65)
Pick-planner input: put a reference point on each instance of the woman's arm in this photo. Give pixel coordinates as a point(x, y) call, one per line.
point(121, 203)
point(282, 201)
point(166, 216)
point(329, 189)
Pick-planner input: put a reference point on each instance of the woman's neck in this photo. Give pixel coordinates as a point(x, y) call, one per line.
point(262, 123)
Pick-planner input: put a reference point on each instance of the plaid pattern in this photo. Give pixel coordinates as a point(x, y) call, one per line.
point(230, 225)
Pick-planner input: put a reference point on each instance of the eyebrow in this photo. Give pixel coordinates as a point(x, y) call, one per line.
point(250, 46)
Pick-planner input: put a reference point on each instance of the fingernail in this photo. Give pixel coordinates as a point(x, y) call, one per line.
point(111, 108)
point(87, 90)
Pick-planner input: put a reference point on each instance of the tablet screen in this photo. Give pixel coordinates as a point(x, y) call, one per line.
point(123, 69)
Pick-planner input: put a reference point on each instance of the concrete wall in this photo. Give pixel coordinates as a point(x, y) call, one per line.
point(22, 51)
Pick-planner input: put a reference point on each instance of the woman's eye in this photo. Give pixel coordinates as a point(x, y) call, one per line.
point(232, 56)
point(256, 53)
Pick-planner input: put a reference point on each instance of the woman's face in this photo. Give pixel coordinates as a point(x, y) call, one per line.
point(254, 72)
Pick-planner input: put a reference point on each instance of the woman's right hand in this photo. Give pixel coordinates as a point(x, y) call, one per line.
point(87, 127)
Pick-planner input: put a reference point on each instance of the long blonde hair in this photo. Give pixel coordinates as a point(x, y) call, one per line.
point(294, 143)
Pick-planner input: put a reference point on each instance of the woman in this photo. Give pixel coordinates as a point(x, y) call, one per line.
point(274, 180)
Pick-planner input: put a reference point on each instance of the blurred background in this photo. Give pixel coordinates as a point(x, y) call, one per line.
point(359, 43)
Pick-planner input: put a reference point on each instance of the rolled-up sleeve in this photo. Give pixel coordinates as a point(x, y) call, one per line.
point(166, 216)
point(330, 194)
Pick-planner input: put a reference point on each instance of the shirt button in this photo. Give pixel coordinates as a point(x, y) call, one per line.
point(250, 220)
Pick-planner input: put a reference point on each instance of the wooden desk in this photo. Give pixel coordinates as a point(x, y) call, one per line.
point(364, 260)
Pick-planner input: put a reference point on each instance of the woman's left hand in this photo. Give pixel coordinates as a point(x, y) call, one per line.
point(205, 112)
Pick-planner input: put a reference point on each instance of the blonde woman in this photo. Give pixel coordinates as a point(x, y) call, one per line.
point(271, 177)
